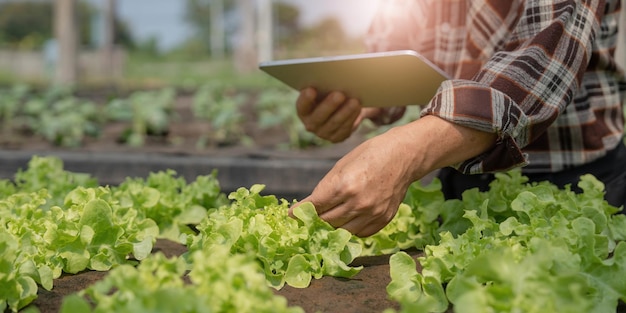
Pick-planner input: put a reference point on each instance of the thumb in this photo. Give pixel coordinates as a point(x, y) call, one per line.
point(297, 204)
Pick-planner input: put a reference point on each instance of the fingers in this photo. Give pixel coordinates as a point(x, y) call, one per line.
point(320, 206)
point(334, 214)
point(340, 124)
point(361, 225)
point(337, 216)
point(361, 222)
point(331, 104)
point(306, 102)
point(332, 118)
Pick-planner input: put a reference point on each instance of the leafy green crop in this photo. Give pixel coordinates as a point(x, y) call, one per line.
point(527, 248)
point(222, 106)
point(46, 173)
point(18, 287)
point(212, 282)
point(66, 228)
point(517, 248)
point(149, 112)
point(276, 109)
point(88, 232)
point(52, 224)
point(170, 201)
point(290, 250)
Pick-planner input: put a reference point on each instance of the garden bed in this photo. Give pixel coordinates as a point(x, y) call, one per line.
point(363, 293)
point(265, 158)
point(286, 172)
point(289, 173)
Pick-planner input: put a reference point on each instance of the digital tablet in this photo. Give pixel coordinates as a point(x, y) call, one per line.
point(379, 79)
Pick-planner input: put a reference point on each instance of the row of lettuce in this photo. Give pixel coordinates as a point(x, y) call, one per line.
point(64, 118)
point(518, 247)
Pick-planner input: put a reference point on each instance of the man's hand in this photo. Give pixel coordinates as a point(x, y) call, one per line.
point(364, 189)
point(334, 118)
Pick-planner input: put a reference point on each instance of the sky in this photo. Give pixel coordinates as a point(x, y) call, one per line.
point(355, 14)
point(164, 19)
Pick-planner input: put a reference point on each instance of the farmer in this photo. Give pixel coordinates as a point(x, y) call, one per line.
point(535, 85)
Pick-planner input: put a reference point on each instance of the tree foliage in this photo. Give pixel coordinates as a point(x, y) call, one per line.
point(29, 24)
point(198, 16)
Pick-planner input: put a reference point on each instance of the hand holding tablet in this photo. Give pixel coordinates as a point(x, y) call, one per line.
point(380, 79)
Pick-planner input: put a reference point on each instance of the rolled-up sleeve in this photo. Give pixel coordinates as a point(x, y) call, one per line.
point(537, 64)
point(516, 64)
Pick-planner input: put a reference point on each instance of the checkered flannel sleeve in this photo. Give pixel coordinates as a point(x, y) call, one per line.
point(517, 65)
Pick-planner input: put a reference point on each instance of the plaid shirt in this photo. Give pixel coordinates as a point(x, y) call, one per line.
point(538, 73)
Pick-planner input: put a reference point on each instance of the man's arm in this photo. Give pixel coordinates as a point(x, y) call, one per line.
point(363, 191)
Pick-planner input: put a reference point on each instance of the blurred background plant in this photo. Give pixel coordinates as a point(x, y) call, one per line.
point(67, 121)
point(149, 113)
point(11, 99)
point(226, 116)
point(276, 107)
point(56, 114)
point(222, 106)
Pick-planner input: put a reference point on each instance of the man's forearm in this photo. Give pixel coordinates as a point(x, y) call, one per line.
point(433, 143)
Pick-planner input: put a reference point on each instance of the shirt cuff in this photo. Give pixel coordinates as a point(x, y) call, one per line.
point(471, 104)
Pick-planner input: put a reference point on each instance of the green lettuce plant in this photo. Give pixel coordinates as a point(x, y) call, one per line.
point(528, 248)
point(291, 251)
point(50, 226)
point(222, 107)
point(276, 108)
point(169, 200)
point(212, 282)
point(518, 247)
